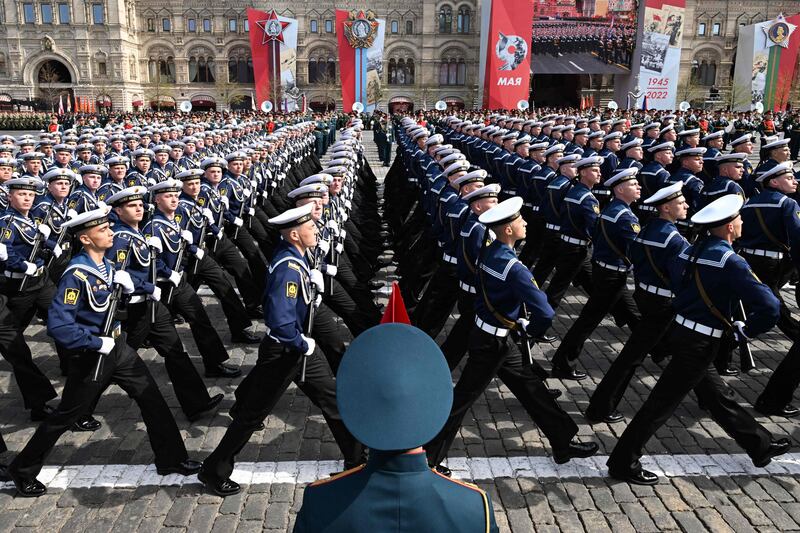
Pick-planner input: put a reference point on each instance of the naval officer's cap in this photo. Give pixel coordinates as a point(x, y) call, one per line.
point(778, 170)
point(293, 217)
point(168, 185)
point(774, 142)
point(555, 149)
point(473, 176)
point(626, 174)
point(190, 174)
point(503, 213)
point(59, 174)
point(662, 147)
point(568, 159)
point(591, 161)
point(312, 190)
point(741, 139)
point(129, 194)
point(719, 212)
point(666, 194)
point(688, 151)
point(88, 219)
point(322, 177)
point(24, 184)
point(487, 191)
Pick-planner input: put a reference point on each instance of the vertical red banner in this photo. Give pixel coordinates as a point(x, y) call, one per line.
point(508, 63)
point(260, 51)
point(347, 62)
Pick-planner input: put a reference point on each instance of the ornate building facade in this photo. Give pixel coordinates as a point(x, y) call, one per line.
point(132, 54)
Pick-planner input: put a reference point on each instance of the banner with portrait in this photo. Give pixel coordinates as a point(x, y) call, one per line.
point(766, 57)
point(361, 38)
point(273, 45)
point(661, 52)
point(505, 61)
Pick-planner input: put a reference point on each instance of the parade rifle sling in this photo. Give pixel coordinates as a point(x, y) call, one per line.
point(37, 245)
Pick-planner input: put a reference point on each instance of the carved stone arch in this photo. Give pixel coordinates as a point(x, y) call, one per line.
point(235, 45)
point(34, 62)
point(321, 51)
point(313, 13)
point(401, 50)
point(288, 13)
point(454, 50)
point(199, 50)
point(160, 50)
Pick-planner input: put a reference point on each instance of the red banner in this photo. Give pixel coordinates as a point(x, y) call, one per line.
point(347, 62)
point(507, 64)
point(263, 50)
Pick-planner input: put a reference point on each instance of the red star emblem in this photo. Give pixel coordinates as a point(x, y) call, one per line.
point(272, 28)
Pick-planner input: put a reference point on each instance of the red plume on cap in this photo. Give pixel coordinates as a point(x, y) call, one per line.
point(396, 309)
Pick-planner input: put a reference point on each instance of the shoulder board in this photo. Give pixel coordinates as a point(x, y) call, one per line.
point(78, 274)
point(459, 482)
point(340, 475)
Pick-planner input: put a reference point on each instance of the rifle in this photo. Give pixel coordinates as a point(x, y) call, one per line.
point(178, 262)
point(746, 361)
point(309, 326)
point(58, 243)
point(202, 244)
point(525, 340)
point(37, 245)
point(108, 323)
point(241, 212)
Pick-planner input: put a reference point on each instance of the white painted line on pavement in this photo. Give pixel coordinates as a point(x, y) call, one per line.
point(576, 66)
point(468, 468)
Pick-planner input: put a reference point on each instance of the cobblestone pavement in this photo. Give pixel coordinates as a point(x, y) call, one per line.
point(710, 486)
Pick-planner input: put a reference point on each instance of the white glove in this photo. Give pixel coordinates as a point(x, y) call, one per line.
point(317, 279)
point(3, 252)
point(348, 204)
point(339, 248)
point(238, 222)
point(220, 234)
point(71, 213)
point(523, 323)
point(57, 251)
point(156, 296)
point(251, 211)
point(739, 330)
point(253, 183)
point(108, 345)
point(44, 229)
point(324, 245)
point(175, 277)
point(123, 279)
point(345, 216)
point(187, 236)
point(246, 193)
point(155, 244)
point(101, 205)
point(318, 300)
point(199, 254)
point(224, 200)
point(273, 184)
point(30, 268)
point(209, 215)
point(265, 195)
point(311, 344)
point(343, 233)
point(333, 226)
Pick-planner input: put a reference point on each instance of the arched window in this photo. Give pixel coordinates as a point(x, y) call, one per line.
point(240, 66)
point(452, 72)
point(446, 19)
point(312, 70)
point(152, 71)
point(461, 76)
point(2, 65)
point(410, 72)
point(201, 67)
point(331, 69)
point(409, 27)
point(392, 71)
point(395, 26)
point(463, 21)
point(443, 73)
point(232, 70)
point(166, 70)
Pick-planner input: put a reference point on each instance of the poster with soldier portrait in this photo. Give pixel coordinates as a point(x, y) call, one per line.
point(661, 52)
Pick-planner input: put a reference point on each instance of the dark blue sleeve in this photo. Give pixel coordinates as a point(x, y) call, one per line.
point(791, 219)
point(540, 313)
point(62, 323)
point(760, 304)
point(280, 307)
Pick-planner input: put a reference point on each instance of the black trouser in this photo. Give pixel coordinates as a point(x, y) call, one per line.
point(608, 289)
point(657, 318)
point(329, 335)
point(187, 303)
point(34, 386)
point(210, 273)
point(775, 273)
point(250, 250)
point(259, 392)
point(438, 300)
point(572, 264)
point(548, 255)
point(342, 304)
point(455, 346)
point(357, 290)
point(188, 385)
point(690, 368)
point(491, 356)
point(227, 255)
point(534, 240)
point(121, 367)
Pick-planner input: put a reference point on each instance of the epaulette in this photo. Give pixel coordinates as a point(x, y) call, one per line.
point(293, 266)
point(78, 274)
point(340, 475)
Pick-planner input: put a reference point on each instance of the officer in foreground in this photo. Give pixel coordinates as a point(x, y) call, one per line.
point(394, 393)
point(77, 322)
point(708, 278)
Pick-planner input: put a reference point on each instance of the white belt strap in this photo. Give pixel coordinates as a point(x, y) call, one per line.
point(699, 328)
point(573, 240)
point(466, 287)
point(653, 289)
point(763, 253)
point(608, 266)
point(491, 330)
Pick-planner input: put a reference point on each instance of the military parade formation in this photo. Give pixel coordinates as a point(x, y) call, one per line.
point(611, 43)
point(109, 233)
